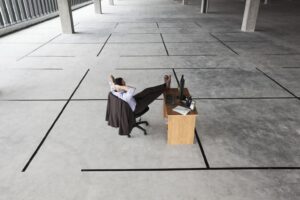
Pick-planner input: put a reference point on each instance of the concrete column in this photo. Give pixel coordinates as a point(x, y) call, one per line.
point(184, 2)
point(65, 14)
point(111, 2)
point(98, 7)
point(204, 6)
point(250, 15)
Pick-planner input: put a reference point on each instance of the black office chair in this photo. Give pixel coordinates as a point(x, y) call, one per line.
point(137, 124)
point(125, 125)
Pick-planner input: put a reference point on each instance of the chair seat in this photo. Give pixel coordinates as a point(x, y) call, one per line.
point(141, 113)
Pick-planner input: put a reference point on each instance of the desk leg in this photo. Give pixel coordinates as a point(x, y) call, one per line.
point(181, 129)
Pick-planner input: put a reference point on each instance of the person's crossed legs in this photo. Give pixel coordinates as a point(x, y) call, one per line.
point(148, 95)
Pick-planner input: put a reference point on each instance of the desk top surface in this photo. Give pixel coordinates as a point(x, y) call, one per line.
point(169, 107)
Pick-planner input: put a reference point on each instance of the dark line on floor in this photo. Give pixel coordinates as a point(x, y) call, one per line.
point(198, 42)
point(37, 100)
point(38, 47)
point(53, 124)
point(116, 25)
point(142, 55)
point(157, 25)
point(49, 56)
point(60, 43)
point(202, 55)
point(38, 68)
point(164, 44)
point(281, 54)
point(272, 79)
point(104, 45)
point(134, 43)
point(225, 98)
point(34, 100)
point(224, 44)
point(190, 169)
point(201, 149)
point(157, 68)
point(291, 67)
point(198, 24)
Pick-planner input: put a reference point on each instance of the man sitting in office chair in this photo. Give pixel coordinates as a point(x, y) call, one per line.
point(139, 102)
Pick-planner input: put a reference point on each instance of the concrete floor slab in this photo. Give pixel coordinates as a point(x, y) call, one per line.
point(143, 30)
point(240, 37)
point(50, 63)
point(199, 37)
point(16, 51)
point(106, 149)
point(68, 50)
point(21, 38)
point(182, 30)
point(177, 25)
point(126, 25)
point(23, 125)
point(230, 83)
point(265, 48)
point(80, 38)
point(96, 84)
point(71, 184)
point(239, 133)
point(206, 48)
point(185, 62)
point(277, 61)
point(38, 84)
point(287, 77)
point(146, 49)
point(135, 38)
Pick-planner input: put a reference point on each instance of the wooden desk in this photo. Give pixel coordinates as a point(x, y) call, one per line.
point(181, 128)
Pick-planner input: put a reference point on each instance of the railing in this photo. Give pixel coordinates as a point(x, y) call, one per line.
point(17, 11)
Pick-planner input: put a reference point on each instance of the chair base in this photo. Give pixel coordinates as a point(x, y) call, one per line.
point(137, 125)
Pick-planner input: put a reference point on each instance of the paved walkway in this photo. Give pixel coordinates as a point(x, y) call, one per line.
point(53, 91)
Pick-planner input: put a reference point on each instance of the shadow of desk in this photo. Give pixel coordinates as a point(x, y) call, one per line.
point(181, 128)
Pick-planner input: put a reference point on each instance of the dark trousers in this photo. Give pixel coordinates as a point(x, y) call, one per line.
point(147, 96)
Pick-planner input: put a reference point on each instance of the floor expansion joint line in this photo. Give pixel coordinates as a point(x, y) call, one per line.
point(38, 69)
point(164, 44)
point(117, 24)
point(202, 150)
point(272, 79)
point(190, 169)
point(290, 67)
point(104, 45)
point(254, 98)
point(198, 24)
point(49, 56)
point(53, 124)
point(39, 47)
point(224, 44)
point(34, 100)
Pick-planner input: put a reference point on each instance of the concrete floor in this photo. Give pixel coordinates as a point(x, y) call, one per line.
point(53, 91)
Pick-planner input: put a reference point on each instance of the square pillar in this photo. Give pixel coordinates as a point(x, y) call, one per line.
point(204, 6)
point(98, 7)
point(250, 15)
point(65, 14)
point(184, 2)
point(111, 2)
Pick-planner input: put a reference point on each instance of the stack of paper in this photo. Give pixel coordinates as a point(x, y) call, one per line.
point(182, 110)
